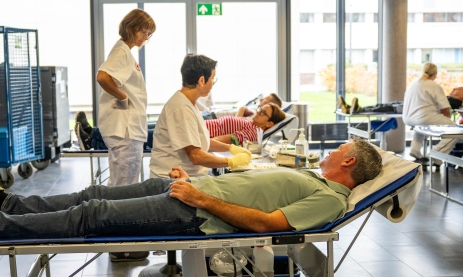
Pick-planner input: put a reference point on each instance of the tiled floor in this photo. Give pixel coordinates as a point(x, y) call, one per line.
point(429, 242)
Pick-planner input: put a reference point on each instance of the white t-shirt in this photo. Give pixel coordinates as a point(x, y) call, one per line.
point(423, 103)
point(179, 125)
point(126, 73)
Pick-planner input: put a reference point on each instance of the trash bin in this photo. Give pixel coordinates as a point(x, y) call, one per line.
point(301, 110)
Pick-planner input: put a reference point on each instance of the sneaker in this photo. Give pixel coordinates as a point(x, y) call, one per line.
point(354, 107)
point(81, 118)
point(84, 139)
point(128, 256)
point(342, 104)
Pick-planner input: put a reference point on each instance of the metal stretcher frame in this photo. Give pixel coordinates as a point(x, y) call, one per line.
point(441, 131)
point(99, 245)
point(353, 130)
point(96, 177)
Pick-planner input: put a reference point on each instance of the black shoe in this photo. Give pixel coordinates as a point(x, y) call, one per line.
point(81, 118)
point(354, 107)
point(128, 256)
point(84, 139)
point(342, 105)
point(418, 159)
point(437, 166)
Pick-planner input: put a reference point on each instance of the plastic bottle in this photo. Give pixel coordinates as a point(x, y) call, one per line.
point(302, 146)
point(262, 257)
point(224, 266)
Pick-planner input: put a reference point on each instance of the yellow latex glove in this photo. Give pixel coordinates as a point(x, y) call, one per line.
point(236, 150)
point(239, 159)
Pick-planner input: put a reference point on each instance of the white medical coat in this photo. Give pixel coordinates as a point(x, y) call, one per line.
point(126, 73)
point(179, 125)
point(423, 103)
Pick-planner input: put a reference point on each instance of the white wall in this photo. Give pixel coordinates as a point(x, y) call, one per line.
point(64, 37)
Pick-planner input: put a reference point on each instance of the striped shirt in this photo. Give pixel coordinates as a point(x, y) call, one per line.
point(238, 126)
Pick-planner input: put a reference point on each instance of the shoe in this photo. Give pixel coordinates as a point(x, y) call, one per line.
point(354, 107)
point(342, 105)
point(418, 158)
point(84, 139)
point(81, 118)
point(437, 166)
point(128, 256)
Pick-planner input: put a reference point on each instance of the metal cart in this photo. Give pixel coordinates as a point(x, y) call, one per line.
point(21, 139)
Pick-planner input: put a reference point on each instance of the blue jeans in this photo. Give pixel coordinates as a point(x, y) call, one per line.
point(141, 209)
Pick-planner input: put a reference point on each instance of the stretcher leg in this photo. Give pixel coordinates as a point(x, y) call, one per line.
point(12, 256)
point(171, 269)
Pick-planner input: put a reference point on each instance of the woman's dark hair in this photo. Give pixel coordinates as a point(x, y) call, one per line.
point(193, 67)
point(278, 114)
point(134, 21)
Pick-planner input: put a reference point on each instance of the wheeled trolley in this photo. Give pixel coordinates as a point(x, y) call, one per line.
point(21, 127)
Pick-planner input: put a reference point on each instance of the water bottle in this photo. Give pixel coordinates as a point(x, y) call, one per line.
point(262, 257)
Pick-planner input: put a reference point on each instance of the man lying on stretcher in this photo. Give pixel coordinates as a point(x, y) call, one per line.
point(267, 200)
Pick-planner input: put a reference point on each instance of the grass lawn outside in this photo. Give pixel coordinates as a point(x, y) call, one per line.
point(322, 104)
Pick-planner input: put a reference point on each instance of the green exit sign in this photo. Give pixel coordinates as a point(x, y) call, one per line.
point(209, 8)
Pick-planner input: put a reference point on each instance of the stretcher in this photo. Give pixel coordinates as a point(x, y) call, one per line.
point(96, 176)
point(392, 194)
point(442, 132)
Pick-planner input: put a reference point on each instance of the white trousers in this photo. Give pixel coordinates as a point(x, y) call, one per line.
point(125, 160)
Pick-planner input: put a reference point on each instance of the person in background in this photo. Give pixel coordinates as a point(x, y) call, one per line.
point(122, 118)
point(456, 101)
point(426, 104)
point(233, 130)
point(182, 139)
point(271, 98)
point(391, 107)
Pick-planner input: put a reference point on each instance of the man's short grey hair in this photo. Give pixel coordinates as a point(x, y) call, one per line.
point(368, 161)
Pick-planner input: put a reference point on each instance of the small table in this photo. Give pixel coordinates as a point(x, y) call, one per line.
point(353, 130)
point(442, 131)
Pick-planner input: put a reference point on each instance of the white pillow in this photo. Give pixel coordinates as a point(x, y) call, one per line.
point(393, 168)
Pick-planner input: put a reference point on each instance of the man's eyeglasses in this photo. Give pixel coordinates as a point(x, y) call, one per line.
point(215, 80)
point(262, 112)
point(146, 33)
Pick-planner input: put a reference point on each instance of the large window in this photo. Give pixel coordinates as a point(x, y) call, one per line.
point(246, 38)
point(315, 59)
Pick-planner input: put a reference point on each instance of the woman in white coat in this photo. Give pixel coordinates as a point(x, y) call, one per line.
point(426, 104)
point(122, 118)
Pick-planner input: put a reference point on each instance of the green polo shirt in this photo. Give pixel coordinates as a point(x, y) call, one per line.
point(306, 200)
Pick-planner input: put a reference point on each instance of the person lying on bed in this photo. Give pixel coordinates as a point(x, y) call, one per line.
point(266, 200)
point(233, 130)
point(271, 98)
